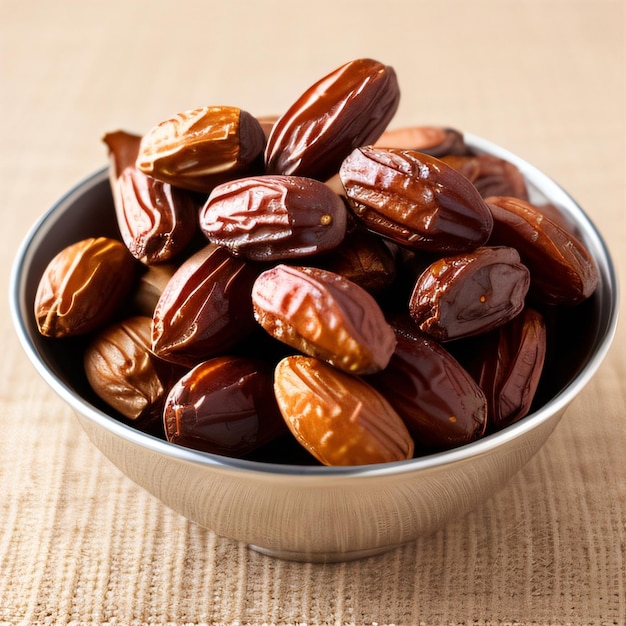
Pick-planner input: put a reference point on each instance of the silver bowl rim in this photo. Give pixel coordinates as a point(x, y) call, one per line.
point(558, 403)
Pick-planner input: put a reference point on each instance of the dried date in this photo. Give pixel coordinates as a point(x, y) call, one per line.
point(415, 200)
point(225, 405)
point(205, 308)
point(438, 400)
point(436, 141)
point(464, 295)
point(123, 372)
point(347, 108)
point(197, 149)
point(509, 367)
point(83, 287)
point(270, 218)
point(338, 418)
point(323, 315)
point(562, 269)
point(491, 175)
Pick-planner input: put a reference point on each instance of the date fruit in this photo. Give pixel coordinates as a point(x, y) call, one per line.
point(363, 259)
point(121, 370)
point(269, 218)
point(338, 418)
point(196, 149)
point(436, 141)
point(467, 294)
point(225, 405)
point(323, 315)
point(491, 175)
point(205, 308)
point(438, 400)
point(415, 200)
point(83, 287)
point(562, 270)
point(510, 366)
point(347, 108)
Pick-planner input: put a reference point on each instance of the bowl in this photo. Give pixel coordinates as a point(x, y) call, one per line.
point(304, 512)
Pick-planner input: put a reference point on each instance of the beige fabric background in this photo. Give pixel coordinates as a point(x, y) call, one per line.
point(81, 544)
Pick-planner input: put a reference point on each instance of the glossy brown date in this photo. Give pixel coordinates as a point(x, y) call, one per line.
point(338, 418)
point(436, 141)
point(363, 259)
point(561, 267)
point(349, 107)
point(225, 405)
point(509, 367)
point(415, 200)
point(464, 295)
point(270, 218)
point(196, 149)
point(491, 175)
point(122, 371)
point(205, 308)
point(83, 287)
point(324, 315)
point(439, 402)
point(156, 221)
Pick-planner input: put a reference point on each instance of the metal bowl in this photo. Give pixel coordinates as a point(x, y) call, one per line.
point(313, 513)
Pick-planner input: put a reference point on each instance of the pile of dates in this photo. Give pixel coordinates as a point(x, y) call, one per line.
point(316, 286)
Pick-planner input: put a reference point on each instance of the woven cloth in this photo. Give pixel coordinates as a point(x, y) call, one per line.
point(80, 543)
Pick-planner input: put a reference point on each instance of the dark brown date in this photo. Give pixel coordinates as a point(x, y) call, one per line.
point(561, 267)
point(363, 259)
point(323, 315)
point(269, 218)
point(349, 107)
point(510, 365)
point(491, 175)
point(415, 200)
point(205, 308)
point(467, 294)
point(440, 403)
point(437, 141)
point(156, 221)
point(225, 405)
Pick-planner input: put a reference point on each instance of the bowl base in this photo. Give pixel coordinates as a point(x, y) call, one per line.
point(323, 557)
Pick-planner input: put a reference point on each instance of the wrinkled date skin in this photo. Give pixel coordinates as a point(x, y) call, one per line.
point(436, 141)
point(315, 400)
point(440, 403)
point(562, 270)
point(156, 221)
point(205, 308)
point(464, 295)
point(225, 405)
point(415, 200)
point(83, 287)
point(510, 366)
point(349, 107)
point(323, 315)
point(196, 149)
point(269, 218)
point(122, 371)
point(363, 259)
point(491, 175)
